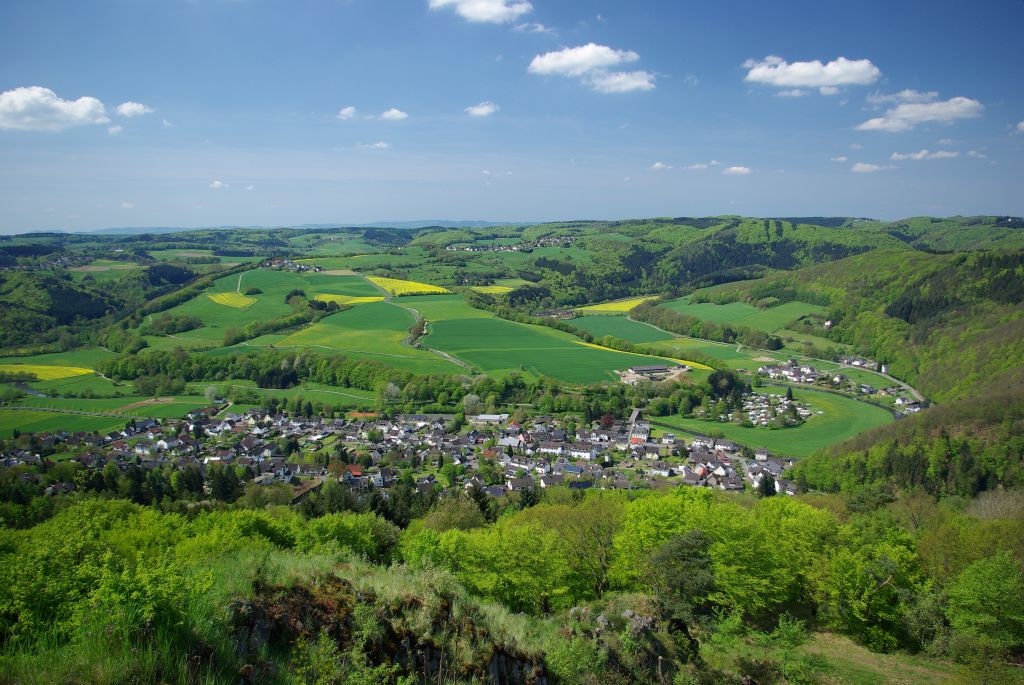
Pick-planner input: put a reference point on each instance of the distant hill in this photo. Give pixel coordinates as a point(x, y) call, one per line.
point(405, 225)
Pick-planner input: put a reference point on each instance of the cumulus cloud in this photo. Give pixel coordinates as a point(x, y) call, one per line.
point(1020, 127)
point(484, 109)
point(167, 124)
point(907, 115)
point(114, 130)
point(736, 170)
point(219, 185)
point(907, 95)
point(132, 109)
point(864, 168)
point(791, 93)
point(346, 113)
point(394, 114)
point(485, 11)
point(698, 165)
point(660, 166)
point(923, 154)
point(975, 153)
point(40, 109)
point(250, 187)
point(591, 64)
point(620, 81)
point(840, 158)
point(379, 145)
point(775, 71)
point(127, 205)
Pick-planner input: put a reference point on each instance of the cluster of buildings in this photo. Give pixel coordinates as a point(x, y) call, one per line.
point(550, 241)
point(498, 454)
point(285, 264)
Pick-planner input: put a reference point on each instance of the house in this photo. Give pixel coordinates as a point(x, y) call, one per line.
point(552, 480)
point(519, 484)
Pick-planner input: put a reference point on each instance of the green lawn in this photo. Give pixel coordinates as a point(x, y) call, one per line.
point(743, 314)
point(86, 357)
point(175, 407)
point(310, 391)
point(620, 327)
point(841, 418)
point(497, 346)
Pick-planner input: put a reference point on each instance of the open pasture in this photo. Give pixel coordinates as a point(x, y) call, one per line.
point(743, 314)
point(42, 421)
point(497, 347)
point(399, 287)
point(620, 327)
point(616, 306)
point(841, 418)
point(371, 331)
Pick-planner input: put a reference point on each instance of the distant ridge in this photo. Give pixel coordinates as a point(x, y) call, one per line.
point(406, 225)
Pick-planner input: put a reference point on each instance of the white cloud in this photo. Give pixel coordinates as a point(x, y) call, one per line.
point(534, 28)
point(591, 64)
point(775, 71)
point(379, 145)
point(219, 185)
point(620, 81)
point(907, 95)
point(346, 113)
point(660, 166)
point(976, 154)
point(580, 60)
point(167, 124)
point(840, 158)
point(907, 115)
point(484, 109)
point(485, 11)
point(946, 141)
point(394, 114)
point(127, 205)
point(39, 109)
point(923, 154)
point(486, 172)
point(736, 170)
point(791, 93)
point(1020, 127)
point(250, 187)
point(132, 109)
point(114, 130)
point(864, 168)
point(698, 165)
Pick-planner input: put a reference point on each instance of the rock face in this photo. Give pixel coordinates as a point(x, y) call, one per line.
point(454, 646)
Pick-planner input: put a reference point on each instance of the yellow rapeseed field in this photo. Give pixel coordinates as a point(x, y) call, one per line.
point(236, 300)
point(347, 299)
point(616, 307)
point(44, 372)
point(398, 287)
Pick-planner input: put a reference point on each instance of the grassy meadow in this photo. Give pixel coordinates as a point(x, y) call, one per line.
point(620, 327)
point(743, 314)
point(840, 418)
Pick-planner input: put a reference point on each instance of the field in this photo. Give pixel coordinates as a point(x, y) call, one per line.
point(492, 289)
point(620, 327)
point(347, 299)
point(46, 372)
point(497, 347)
point(371, 331)
point(310, 391)
point(398, 287)
point(615, 307)
point(39, 421)
point(841, 418)
point(687, 362)
point(743, 314)
point(237, 300)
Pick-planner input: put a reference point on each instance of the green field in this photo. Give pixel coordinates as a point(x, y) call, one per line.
point(841, 418)
point(87, 357)
point(310, 391)
point(41, 421)
point(164, 407)
point(269, 304)
point(743, 314)
point(620, 327)
point(497, 346)
point(370, 331)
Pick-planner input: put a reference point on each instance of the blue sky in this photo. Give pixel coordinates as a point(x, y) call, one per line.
point(273, 112)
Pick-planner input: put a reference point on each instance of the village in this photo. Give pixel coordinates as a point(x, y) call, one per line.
point(491, 451)
point(792, 371)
